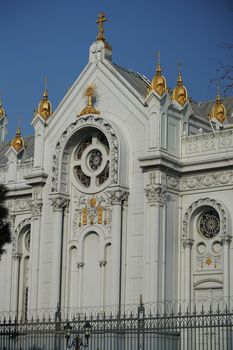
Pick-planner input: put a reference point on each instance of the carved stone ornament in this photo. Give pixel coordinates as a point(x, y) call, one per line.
point(80, 265)
point(210, 143)
point(86, 121)
point(19, 205)
point(207, 180)
point(201, 203)
point(189, 183)
point(36, 207)
point(118, 196)
point(156, 194)
point(226, 240)
point(59, 203)
point(187, 243)
point(87, 210)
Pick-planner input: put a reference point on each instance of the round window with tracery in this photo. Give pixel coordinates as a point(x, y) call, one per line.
point(209, 224)
point(91, 161)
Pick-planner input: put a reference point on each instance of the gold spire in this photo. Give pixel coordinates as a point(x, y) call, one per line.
point(18, 142)
point(89, 109)
point(101, 37)
point(100, 21)
point(2, 112)
point(158, 83)
point(218, 110)
point(179, 93)
point(45, 106)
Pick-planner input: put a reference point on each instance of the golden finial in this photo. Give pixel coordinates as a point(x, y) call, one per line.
point(18, 142)
point(158, 83)
point(45, 95)
point(218, 110)
point(158, 69)
point(179, 93)
point(45, 106)
point(179, 79)
point(89, 109)
point(100, 21)
point(2, 112)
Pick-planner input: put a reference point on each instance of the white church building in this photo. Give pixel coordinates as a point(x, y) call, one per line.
point(124, 190)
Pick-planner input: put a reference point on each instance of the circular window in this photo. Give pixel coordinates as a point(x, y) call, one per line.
point(95, 159)
point(209, 224)
point(91, 161)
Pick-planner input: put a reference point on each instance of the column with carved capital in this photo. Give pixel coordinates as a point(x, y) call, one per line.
point(118, 196)
point(12, 248)
point(187, 245)
point(102, 265)
point(34, 260)
point(16, 268)
point(59, 203)
point(155, 242)
point(226, 265)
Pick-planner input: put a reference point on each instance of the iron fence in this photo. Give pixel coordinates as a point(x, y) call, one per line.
point(192, 328)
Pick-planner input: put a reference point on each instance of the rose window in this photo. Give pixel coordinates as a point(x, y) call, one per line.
point(91, 162)
point(209, 224)
point(95, 159)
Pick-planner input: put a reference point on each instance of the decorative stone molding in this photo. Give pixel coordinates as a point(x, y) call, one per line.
point(80, 265)
point(85, 121)
point(103, 263)
point(205, 202)
point(207, 180)
point(22, 224)
point(16, 232)
point(19, 205)
point(206, 144)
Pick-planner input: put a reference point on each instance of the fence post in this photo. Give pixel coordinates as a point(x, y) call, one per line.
point(141, 320)
point(58, 328)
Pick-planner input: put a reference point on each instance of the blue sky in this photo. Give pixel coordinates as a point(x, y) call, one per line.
point(51, 38)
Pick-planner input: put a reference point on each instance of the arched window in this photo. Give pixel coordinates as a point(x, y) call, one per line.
point(91, 160)
point(23, 252)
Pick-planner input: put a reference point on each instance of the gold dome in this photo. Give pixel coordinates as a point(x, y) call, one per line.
point(18, 142)
point(180, 93)
point(158, 83)
point(218, 110)
point(45, 106)
point(2, 112)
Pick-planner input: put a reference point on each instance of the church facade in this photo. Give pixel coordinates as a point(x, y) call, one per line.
point(125, 189)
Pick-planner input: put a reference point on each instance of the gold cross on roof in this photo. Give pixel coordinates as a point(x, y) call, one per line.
point(101, 19)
